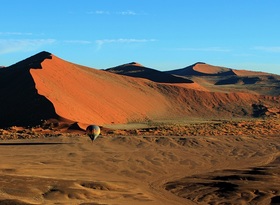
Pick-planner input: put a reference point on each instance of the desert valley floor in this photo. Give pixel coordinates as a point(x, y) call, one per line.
point(222, 162)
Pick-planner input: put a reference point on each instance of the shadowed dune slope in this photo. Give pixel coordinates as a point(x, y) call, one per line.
point(20, 103)
point(45, 86)
point(202, 69)
point(137, 70)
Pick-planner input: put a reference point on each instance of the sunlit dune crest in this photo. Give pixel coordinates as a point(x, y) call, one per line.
point(209, 69)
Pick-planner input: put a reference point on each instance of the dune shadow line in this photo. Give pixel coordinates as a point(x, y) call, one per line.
point(21, 104)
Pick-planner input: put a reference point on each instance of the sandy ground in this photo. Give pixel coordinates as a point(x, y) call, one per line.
point(141, 169)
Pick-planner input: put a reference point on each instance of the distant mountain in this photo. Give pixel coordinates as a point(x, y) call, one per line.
point(137, 70)
point(216, 78)
point(44, 87)
point(202, 69)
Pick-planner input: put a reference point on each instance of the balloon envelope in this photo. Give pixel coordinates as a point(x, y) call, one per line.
point(93, 131)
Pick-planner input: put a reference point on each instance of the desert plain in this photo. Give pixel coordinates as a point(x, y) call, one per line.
point(219, 163)
point(208, 137)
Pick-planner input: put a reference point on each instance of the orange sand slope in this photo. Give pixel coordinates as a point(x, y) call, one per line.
point(60, 89)
point(88, 95)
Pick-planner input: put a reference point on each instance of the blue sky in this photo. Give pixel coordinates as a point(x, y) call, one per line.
point(162, 34)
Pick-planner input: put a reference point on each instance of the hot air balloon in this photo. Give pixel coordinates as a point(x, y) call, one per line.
point(93, 131)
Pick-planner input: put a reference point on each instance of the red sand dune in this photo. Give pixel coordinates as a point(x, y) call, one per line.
point(249, 73)
point(209, 69)
point(60, 89)
point(88, 95)
point(202, 69)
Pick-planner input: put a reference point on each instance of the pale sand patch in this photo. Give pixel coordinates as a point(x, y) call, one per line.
point(69, 169)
